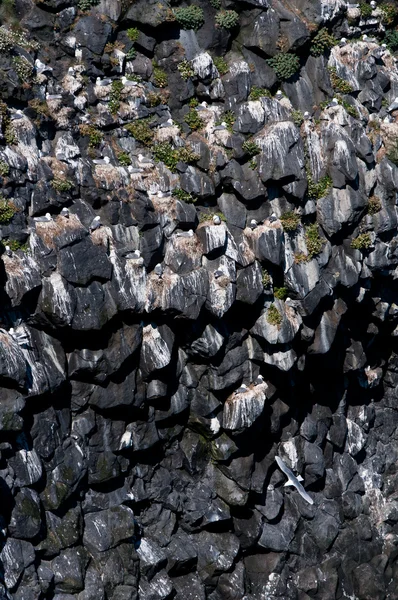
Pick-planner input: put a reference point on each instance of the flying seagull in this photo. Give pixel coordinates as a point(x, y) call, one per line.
point(293, 480)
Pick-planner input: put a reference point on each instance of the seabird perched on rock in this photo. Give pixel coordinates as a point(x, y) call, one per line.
point(8, 251)
point(293, 480)
point(216, 220)
point(144, 160)
point(185, 234)
point(158, 270)
point(46, 219)
point(136, 254)
point(41, 67)
point(95, 223)
point(393, 106)
point(102, 82)
point(306, 115)
point(53, 96)
point(161, 194)
point(78, 52)
point(102, 161)
point(18, 114)
point(259, 380)
point(273, 218)
point(126, 440)
point(253, 224)
point(168, 123)
point(202, 106)
point(71, 71)
point(218, 274)
point(343, 41)
point(128, 82)
point(65, 212)
point(279, 95)
point(333, 102)
point(220, 127)
point(133, 170)
point(242, 389)
point(373, 4)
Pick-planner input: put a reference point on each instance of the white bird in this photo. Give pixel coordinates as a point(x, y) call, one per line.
point(144, 160)
point(384, 46)
point(373, 4)
point(78, 52)
point(102, 82)
point(273, 218)
point(41, 67)
point(158, 270)
point(242, 389)
point(95, 223)
point(343, 41)
point(293, 480)
point(220, 127)
point(306, 115)
point(253, 224)
point(218, 274)
point(102, 161)
point(333, 102)
point(278, 95)
point(46, 219)
point(161, 194)
point(393, 105)
point(71, 71)
point(65, 212)
point(202, 106)
point(53, 96)
point(137, 254)
point(128, 82)
point(133, 170)
point(259, 380)
point(185, 234)
point(8, 251)
point(168, 123)
point(216, 220)
point(18, 114)
point(126, 440)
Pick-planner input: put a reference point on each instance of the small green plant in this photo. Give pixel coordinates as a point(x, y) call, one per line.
point(9, 134)
point(313, 240)
point(392, 154)
point(221, 65)
point(349, 108)
point(124, 159)
point(7, 210)
point(193, 120)
point(389, 13)
point(256, 93)
point(290, 221)
point(10, 38)
point(183, 195)
point(40, 106)
point(140, 131)
point(274, 317)
point(362, 242)
point(23, 68)
point(300, 257)
point(391, 40)
point(374, 205)
point(339, 84)
point(228, 19)
point(133, 34)
point(85, 5)
point(60, 184)
point(253, 164)
point(185, 69)
point(280, 293)
point(190, 17)
point(204, 217)
point(285, 65)
point(131, 54)
point(216, 4)
point(115, 96)
point(229, 118)
point(159, 76)
point(95, 135)
point(15, 245)
point(318, 190)
point(4, 168)
point(297, 117)
point(365, 10)
point(251, 148)
point(170, 156)
point(266, 278)
point(156, 98)
point(193, 103)
point(322, 42)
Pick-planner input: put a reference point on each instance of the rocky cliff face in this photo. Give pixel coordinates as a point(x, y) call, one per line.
point(199, 267)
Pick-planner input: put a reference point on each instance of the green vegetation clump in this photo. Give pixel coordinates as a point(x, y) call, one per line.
point(280, 293)
point(60, 184)
point(322, 42)
point(318, 190)
point(23, 68)
point(193, 120)
point(4, 168)
point(185, 69)
point(216, 4)
point(9, 38)
point(170, 156)
point(256, 93)
point(229, 118)
point(349, 108)
point(124, 159)
point(389, 13)
point(95, 135)
point(204, 217)
point(156, 98)
point(251, 148)
point(193, 103)
point(290, 221)
point(140, 131)
point(40, 106)
point(133, 34)
point(274, 317)
point(15, 245)
point(374, 205)
point(266, 278)
point(227, 19)
point(300, 257)
point(339, 84)
point(115, 96)
point(285, 65)
point(391, 40)
point(7, 210)
point(365, 10)
point(159, 76)
point(85, 5)
point(183, 195)
point(362, 242)
point(313, 240)
point(392, 154)
point(190, 17)
point(221, 65)
point(297, 117)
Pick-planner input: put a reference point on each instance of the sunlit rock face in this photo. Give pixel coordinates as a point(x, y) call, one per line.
point(199, 274)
